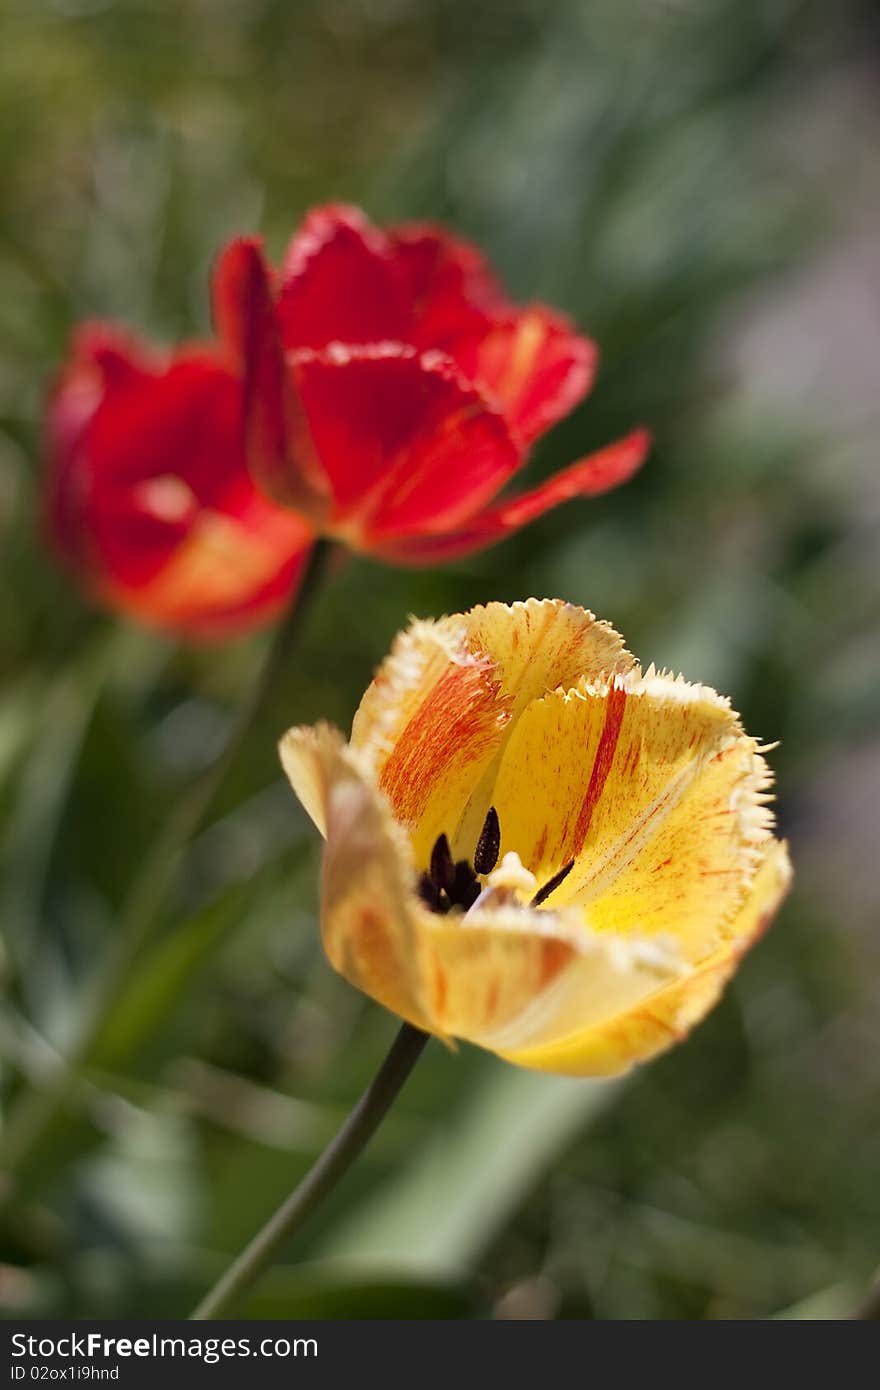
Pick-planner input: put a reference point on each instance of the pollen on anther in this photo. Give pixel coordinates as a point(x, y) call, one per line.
point(489, 843)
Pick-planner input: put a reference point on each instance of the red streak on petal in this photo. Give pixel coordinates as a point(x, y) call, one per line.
point(614, 711)
point(459, 720)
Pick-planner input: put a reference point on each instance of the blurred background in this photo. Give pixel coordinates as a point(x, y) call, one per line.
point(697, 183)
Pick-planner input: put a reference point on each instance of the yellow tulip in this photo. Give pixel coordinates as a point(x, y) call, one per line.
point(535, 846)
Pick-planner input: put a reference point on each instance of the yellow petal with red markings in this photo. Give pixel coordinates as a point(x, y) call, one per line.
point(500, 975)
point(664, 1017)
point(652, 793)
point(636, 862)
point(435, 720)
point(511, 978)
point(371, 919)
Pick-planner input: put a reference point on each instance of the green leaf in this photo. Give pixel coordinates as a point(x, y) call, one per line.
point(439, 1214)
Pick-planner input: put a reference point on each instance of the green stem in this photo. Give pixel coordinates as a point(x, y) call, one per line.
point(321, 1178)
point(33, 1117)
point(159, 870)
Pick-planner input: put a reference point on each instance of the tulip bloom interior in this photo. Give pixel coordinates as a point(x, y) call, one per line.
point(535, 846)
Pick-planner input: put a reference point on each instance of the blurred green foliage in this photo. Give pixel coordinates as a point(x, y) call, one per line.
point(656, 168)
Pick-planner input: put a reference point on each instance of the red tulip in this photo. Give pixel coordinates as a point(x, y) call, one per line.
point(381, 390)
point(149, 498)
point(392, 389)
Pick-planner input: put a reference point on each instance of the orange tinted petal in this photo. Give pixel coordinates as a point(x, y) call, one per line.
point(537, 366)
point(435, 720)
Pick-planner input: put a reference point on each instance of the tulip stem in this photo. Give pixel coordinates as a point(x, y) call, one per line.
point(321, 1178)
point(157, 874)
point(31, 1122)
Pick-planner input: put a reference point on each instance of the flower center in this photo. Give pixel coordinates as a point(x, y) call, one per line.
point(448, 883)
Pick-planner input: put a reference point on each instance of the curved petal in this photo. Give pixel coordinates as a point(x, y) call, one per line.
point(148, 496)
point(435, 721)
point(102, 356)
point(371, 919)
point(229, 576)
point(345, 280)
point(598, 473)
point(338, 283)
point(280, 451)
point(535, 365)
point(496, 977)
point(452, 295)
point(665, 1016)
point(410, 388)
point(650, 792)
point(514, 980)
point(443, 748)
point(407, 444)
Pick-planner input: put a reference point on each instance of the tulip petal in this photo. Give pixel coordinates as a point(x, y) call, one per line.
point(598, 473)
point(511, 979)
point(280, 451)
point(536, 366)
point(435, 720)
point(616, 820)
point(648, 787)
point(345, 280)
point(371, 919)
point(503, 977)
point(148, 495)
point(406, 442)
point(453, 296)
point(229, 576)
point(102, 356)
point(442, 750)
point(338, 283)
point(664, 1017)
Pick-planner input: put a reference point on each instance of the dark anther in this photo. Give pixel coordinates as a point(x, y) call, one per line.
point(552, 883)
point(442, 868)
point(430, 894)
point(449, 884)
point(428, 891)
point(489, 843)
point(466, 889)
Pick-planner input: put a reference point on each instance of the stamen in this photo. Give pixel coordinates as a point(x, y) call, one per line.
point(431, 895)
point(442, 868)
point(552, 883)
point(489, 843)
point(466, 889)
